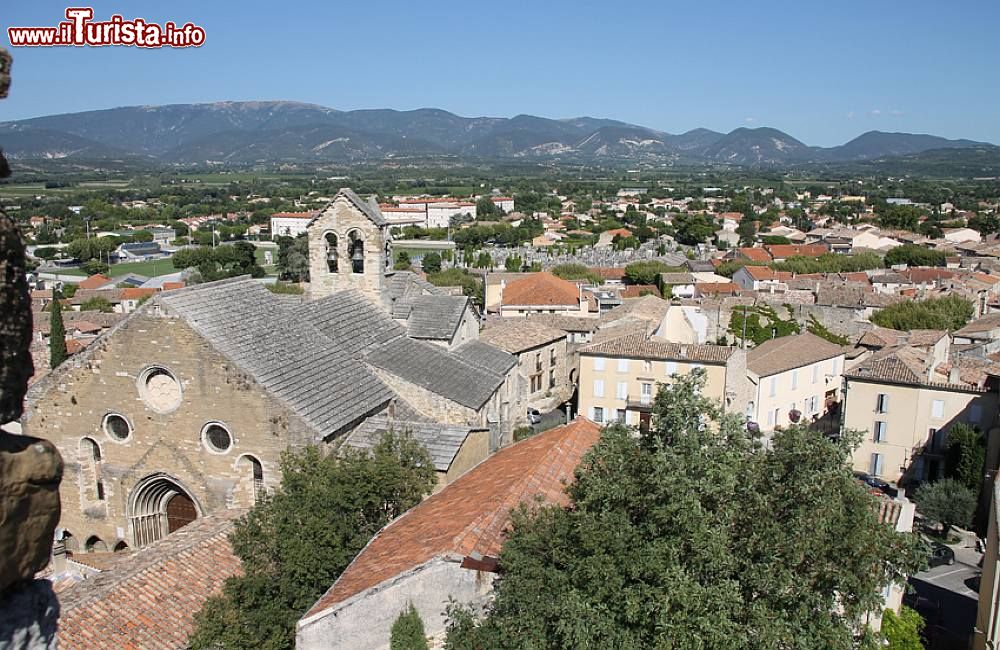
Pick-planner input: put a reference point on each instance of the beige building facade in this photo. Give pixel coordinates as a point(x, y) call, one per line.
point(619, 378)
point(795, 379)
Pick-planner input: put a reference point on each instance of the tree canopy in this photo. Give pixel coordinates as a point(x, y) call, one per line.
point(947, 502)
point(914, 255)
point(408, 630)
point(693, 229)
point(647, 272)
point(220, 262)
point(57, 332)
point(693, 536)
point(575, 271)
point(945, 313)
point(294, 544)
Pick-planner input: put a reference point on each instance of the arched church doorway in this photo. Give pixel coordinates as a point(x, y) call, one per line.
point(159, 506)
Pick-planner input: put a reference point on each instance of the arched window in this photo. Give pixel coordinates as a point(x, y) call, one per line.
point(331, 252)
point(90, 470)
point(157, 507)
point(121, 547)
point(95, 545)
point(70, 542)
point(251, 477)
point(356, 251)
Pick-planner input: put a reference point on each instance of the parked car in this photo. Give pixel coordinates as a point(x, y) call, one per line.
point(534, 417)
point(941, 554)
point(876, 484)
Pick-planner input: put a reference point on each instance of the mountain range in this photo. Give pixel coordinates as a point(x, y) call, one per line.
point(280, 131)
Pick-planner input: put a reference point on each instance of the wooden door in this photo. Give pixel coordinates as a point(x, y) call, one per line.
point(180, 512)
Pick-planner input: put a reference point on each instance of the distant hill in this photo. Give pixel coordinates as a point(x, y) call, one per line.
point(273, 131)
point(878, 144)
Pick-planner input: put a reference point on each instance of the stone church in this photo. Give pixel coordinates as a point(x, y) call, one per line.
point(185, 406)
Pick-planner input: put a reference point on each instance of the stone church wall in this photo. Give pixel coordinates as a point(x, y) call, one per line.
point(71, 403)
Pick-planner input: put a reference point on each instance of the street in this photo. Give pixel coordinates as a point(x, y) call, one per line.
point(947, 597)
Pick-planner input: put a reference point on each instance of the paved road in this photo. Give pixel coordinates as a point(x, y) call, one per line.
point(946, 597)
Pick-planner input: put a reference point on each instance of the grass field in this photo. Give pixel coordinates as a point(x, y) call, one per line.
point(149, 268)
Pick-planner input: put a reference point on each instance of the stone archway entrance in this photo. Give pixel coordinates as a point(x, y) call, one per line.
point(159, 506)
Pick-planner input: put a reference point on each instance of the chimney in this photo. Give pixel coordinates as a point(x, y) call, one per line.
point(954, 374)
point(59, 557)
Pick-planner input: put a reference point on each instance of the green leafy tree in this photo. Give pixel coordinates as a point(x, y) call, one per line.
point(402, 262)
point(761, 323)
point(747, 232)
point(691, 535)
point(97, 303)
point(914, 255)
point(947, 502)
point(95, 267)
point(902, 632)
point(57, 332)
point(985, 224)
point(293, 258)
point(431, 263)
point(966, 457)
point(293, 545)
point(575, 271)
point(142, 236)
point(408, 630)
point(484, 261)
point(486, 209)
point(472, 285)
point(693, 229)
point(647, 272)
point(513, 264)
point(819, 329)
point(946, 313)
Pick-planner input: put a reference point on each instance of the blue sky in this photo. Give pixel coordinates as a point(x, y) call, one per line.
point(823, 72)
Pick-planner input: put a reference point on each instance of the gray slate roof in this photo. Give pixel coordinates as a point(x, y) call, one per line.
point(318, 379)
point(442, 441)
point(351, 320)
point(435, 317)
point(486, 356)
point(402, 288)
point(434, 369)
point(370, 210)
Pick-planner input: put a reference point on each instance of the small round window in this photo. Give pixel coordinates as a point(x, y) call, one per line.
point(117, 427)
point(159, 389)
point(217, 438)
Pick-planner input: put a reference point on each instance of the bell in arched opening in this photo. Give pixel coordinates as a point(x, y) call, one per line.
point(331, 252)
point(356, 249)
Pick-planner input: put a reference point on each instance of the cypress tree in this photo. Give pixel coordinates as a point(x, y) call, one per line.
point(408, 631)
point(57, 332)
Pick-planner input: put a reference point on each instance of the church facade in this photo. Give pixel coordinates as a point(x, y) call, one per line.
point(185, 407)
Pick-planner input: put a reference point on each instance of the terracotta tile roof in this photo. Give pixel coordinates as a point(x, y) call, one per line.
point(921, 274)
point(518, 335)
point(980, 325)
point(637, 345)
point(541, 289)
point(767, 273)
point(624, 232)
point(880, 337)
point(75, 345)
point(640, 290)
point(714, 288)
point(471, 514)
point(754, 254)
point(136, 293)
point(148, 599)
point(169, 286)
point(94, 282)
point(86, 326)
point(784, 251)
point(789, 352)
point(897, 364)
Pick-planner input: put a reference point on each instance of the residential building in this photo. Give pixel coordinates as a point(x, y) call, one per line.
point(290, 224)
point(619, 377)
point(542, 293)
point(905, 399)
point(542, 358)
point(444, 549)
point(762, 278)
point(794, 379)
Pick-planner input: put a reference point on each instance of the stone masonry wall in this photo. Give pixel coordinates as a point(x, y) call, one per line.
point(340, 218)
point(71, 403)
